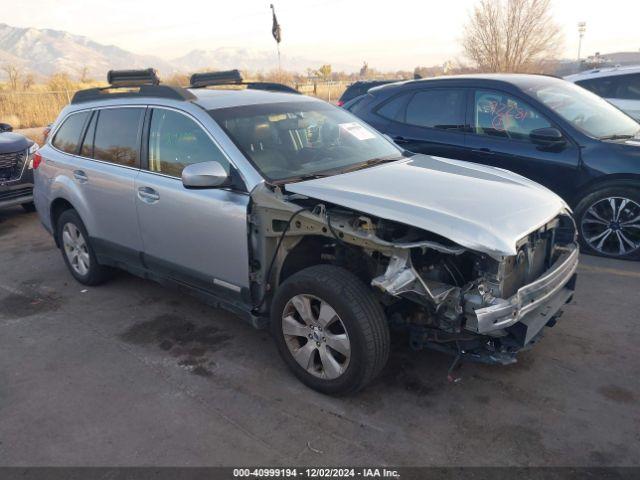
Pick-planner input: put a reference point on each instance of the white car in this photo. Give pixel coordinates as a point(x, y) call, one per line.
point(619, 85)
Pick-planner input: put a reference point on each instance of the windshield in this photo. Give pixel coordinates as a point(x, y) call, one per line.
point(586, 111)
point(289, 141)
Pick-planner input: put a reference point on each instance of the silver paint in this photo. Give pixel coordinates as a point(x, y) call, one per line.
point(485, 209)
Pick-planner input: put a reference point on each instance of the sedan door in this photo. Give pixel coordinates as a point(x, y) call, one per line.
point(429, 121)
point(194, 236)
point(502, 127)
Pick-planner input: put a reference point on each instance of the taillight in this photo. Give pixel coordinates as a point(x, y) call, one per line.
point(37, 158)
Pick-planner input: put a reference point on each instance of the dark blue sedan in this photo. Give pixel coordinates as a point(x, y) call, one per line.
point(549, 130)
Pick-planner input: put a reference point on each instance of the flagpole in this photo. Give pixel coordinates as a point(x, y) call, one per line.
point(279, 64)
point(275, 31)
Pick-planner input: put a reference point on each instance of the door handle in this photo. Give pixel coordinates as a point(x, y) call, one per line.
point(400, 139)
point(148, 195)
point(80, 176)
point(484, 151)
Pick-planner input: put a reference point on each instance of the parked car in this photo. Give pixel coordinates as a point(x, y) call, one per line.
point(359, 88)
point(292, 213)
point(546, 129)
point(620, 86)
point(16, 169)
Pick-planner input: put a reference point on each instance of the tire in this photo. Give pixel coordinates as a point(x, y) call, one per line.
point(84, 267)
point(358, 315)
point(608, 233)
point(28, 207)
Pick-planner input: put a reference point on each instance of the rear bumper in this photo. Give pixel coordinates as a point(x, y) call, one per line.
point(533, 303)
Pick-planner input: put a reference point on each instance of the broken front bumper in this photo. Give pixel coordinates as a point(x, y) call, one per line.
point(534, 304)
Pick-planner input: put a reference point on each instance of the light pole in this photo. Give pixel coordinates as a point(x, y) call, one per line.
point(582, 27)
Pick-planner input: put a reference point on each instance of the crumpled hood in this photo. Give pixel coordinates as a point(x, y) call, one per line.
point(485, 209)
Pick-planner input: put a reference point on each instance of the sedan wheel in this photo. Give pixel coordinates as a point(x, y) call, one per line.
point(611, 226)
point(316, 336)
point(75, 248)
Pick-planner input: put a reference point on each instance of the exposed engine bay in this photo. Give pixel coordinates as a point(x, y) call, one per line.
point(475, 305)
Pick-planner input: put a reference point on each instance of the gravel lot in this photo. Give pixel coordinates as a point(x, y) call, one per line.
point(131, 373)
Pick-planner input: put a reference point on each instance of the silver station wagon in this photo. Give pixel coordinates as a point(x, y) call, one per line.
point(299, 217)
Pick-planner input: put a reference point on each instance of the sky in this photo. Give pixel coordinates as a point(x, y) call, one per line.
point(389, 35)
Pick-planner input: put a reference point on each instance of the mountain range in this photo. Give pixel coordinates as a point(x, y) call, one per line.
point(45, 51)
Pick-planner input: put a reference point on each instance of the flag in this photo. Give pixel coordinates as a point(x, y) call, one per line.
point(275, 29)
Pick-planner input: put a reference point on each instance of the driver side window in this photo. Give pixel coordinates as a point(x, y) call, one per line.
point(497, 114)
point(176, 141)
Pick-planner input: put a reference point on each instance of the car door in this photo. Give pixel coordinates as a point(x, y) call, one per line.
point(195, 236)
point(105, 171)
point(429, 121)
point(501, 125)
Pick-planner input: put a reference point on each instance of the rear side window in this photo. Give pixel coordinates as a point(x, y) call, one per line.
point(628, 87)
point(176, 141)
point(394, 108)
point(437, 108)
point(67, 137)
point(117, 136)
point(604, 86)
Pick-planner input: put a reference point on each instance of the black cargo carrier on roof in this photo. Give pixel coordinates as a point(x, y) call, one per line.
point(137, 83)
point(146, 83)
point(234, 77)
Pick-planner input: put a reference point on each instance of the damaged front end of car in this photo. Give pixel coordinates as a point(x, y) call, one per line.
point(482, 306)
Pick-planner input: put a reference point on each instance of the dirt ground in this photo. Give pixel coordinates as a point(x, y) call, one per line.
point(131, 373)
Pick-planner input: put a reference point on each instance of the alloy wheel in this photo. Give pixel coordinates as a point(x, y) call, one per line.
point(316, 336)
point(75, 248)
point(611, 226)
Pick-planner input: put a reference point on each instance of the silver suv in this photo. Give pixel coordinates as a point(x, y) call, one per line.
point(295, 215)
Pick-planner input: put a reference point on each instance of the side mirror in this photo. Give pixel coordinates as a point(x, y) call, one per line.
point(547, 137)
point(204, 175)
point(5, 127)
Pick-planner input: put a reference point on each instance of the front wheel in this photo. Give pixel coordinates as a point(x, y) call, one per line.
point(330, 329)
point(609, 222)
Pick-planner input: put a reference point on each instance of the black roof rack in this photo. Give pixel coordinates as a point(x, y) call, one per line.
point(234, 77)
point(137, 83)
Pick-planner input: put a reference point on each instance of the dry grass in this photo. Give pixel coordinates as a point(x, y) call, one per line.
point(31, 109)
point(330, 92)
point(40, 106)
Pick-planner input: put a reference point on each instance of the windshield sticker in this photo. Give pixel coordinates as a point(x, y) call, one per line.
point(357, 130)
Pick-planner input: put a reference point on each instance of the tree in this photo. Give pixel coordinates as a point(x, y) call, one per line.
point(325, 72)
point(13, 75)
point(83, 75)
point(364, 70)
point(60, 82)
point(27, 81)
point(511, 35)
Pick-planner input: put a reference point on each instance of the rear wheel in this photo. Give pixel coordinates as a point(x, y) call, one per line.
point(609, 222)
point(77, 251)
point(330, 329)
